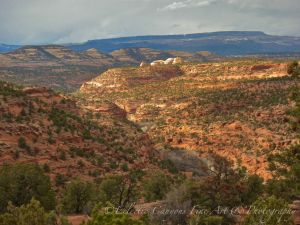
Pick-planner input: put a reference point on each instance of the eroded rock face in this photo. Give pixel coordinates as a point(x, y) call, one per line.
point(233, 109)
point(120, 80)
point(37, 91)
point(108, 108)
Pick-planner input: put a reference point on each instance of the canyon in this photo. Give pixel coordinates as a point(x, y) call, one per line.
point(236, 109)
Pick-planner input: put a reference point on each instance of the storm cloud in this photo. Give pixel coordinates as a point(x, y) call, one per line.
point(64, 21)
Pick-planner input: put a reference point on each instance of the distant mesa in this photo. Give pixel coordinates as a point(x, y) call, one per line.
point(221, 43)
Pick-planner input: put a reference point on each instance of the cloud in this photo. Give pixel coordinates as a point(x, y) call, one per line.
point(186, 4)
point(174, 6)
point(58, 21)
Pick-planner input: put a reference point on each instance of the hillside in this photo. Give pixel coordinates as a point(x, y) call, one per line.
point(222, 43)
point(40, 126)
point(142, 138)
point(62, 69)
point(235, 109)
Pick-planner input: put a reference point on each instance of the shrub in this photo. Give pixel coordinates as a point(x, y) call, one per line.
point(113, 165)
point(51, 140)
point(253, 189)
point(80, 164)
point(78, 151)
point(8, 89)
point(30, 214)
point(156, 186)
point(78, 196)
point(99, 160)
point(169, 165)
point(22, 143)
point(285, 164)
point(60, 179)
point(15, 179)
point(16, 154)
point(125, 167)
point(118, 190)
point(293, 69)
point(268, 217)
point(100, 216)
point(8, 117)
point(46, 168)
point(62, 155)
point(86, 134)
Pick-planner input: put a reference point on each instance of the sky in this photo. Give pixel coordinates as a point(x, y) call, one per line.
point(66, 21)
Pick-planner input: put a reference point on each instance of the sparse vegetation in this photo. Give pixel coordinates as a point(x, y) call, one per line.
point(100, 216)
point(8, 89)
point(205, 111)
point(270, 205)
point(294, 69)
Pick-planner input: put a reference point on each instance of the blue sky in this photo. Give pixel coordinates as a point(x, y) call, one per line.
point(62, 21)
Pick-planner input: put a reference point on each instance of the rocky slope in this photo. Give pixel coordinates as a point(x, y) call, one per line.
point(236, 109)
point(123, 79)
point(51, 66)
point(133, 56)
point(40, 126)
point(61, 68)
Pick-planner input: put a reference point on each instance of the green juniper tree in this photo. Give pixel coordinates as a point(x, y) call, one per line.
point(22, 182)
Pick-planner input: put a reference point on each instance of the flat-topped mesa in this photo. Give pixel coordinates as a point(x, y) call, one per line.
point(122, 79)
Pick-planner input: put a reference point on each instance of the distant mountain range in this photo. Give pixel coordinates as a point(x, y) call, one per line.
point(222, 43)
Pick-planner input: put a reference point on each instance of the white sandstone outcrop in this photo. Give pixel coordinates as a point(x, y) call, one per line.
point(143, 64)
point(169, 61)
point(157, 62)
point(178, 60)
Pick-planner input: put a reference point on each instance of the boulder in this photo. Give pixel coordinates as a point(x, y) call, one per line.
point(178, 60)
point(169, 61)
point(143, 64)
point(158, 62)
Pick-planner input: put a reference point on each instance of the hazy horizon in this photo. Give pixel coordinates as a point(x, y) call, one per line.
point(142, 35)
